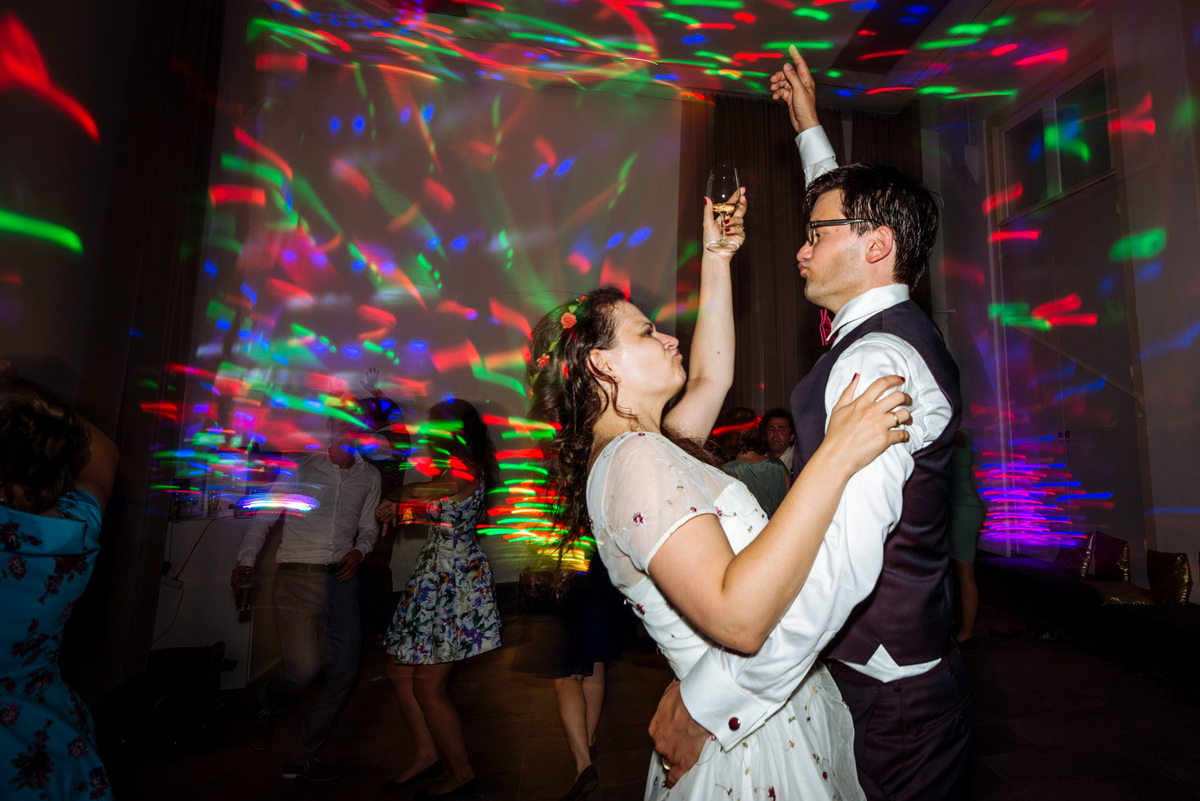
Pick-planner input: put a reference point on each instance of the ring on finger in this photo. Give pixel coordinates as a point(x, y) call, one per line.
point(896, 419)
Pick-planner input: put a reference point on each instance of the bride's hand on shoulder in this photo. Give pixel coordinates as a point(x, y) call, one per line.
point(862, 428)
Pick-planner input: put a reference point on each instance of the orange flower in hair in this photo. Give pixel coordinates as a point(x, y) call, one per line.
point(567, 320)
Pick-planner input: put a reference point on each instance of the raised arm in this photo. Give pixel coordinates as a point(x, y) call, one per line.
point(710, 366)
point(796, 87)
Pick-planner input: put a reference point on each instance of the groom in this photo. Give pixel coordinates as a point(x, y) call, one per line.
point(868, 237)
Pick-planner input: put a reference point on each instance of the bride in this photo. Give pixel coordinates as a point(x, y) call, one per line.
point(687, 544)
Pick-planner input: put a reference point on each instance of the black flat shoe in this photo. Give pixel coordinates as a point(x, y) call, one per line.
point(469, 788)
point(585, 783)
point(394, 786)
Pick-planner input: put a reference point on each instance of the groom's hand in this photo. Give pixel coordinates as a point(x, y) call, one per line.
point(677, 738)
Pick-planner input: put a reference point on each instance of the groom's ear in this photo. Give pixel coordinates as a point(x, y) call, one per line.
point(881, 243)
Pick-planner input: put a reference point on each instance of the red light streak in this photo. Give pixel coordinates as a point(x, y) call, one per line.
point(21, 65)
point(287, 291)
point(492, 6)
point(1003, 196)
point(545, 150)
point(329, 37)
point(448, 359)
point(402, 220)
point(246, 140)
point(1131, 127)
point(884, 54)
point(1052, 56)
point(532, 453)
point(510, 317)
point(722, 26)
point(752, 57)
point(579, 262)
point(268, 62)
point(742, 16)
point(1002, 49)
point(226, 193)
point(883, 89)
point(439, 194)
point(1072, 319)
point(376, 316)
point(352, 176)
point(1006, 236)
point(454, 307)
point(1070, 303)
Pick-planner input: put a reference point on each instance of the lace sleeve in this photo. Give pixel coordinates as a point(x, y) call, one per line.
point(648, 488)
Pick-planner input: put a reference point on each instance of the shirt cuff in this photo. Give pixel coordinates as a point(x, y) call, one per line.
point(814, 145)
point(717, 703)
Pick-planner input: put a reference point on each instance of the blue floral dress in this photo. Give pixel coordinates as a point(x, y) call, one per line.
point(47, 748)
point(447, 612)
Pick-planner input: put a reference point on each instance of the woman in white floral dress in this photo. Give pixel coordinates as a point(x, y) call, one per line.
point(687, 544)
point(447, 611)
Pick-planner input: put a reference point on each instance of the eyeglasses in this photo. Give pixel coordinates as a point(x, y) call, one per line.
point(815, 224)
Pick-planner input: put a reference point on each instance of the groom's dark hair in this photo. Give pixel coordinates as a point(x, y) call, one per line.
point(885, 196)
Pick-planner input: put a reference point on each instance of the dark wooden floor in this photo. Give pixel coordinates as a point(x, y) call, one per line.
point(1054, 722)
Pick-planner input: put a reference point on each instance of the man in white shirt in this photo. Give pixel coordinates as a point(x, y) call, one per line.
point(882, 569)
point(316, 586)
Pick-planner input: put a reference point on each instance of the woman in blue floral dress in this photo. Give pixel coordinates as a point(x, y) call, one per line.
point(56, 473)
point(447, 612)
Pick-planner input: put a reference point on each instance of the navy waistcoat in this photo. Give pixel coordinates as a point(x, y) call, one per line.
point(909, 610)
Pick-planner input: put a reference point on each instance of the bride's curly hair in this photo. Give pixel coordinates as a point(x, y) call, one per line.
point(567, 392)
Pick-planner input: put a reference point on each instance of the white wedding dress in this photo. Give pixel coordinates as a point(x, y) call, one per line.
point(641, 489)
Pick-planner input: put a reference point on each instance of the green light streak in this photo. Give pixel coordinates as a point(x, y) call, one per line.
point(40, 229)
point(813, 13)
point(799, 45)
point(937, 90)
point(944, 43)
point(305, 192)
point(1145, 245)
point(1186, 114)
point(973, 29)
point(258, 27)
point(679, 18)
point(834, 73)
point(999, 93)
point(708, 3)
point(360, 83)
point(718, 56)
point(265, 171)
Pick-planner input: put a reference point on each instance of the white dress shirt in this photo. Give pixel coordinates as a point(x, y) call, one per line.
point(343, 520)
point(732, 695)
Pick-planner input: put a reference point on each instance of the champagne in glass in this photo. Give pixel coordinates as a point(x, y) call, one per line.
point(722, 186)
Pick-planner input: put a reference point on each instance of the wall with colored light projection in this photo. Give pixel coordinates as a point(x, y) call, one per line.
point(1068, 264)
point(373, 216)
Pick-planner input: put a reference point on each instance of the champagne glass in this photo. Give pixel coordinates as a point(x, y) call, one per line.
point(722, 186)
